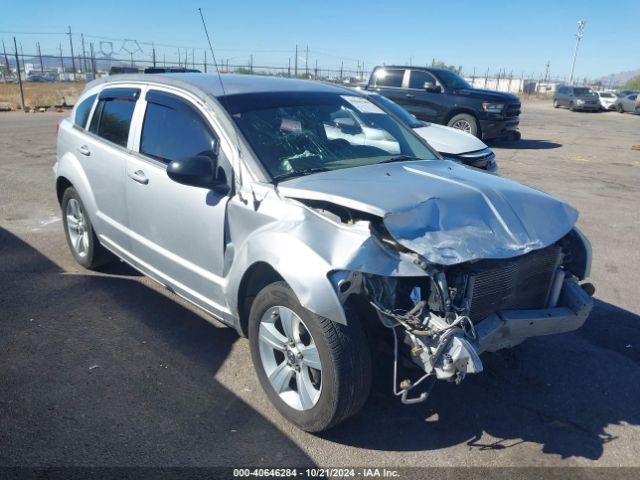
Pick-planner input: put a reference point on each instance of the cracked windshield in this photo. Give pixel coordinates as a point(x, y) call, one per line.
point(301, 133)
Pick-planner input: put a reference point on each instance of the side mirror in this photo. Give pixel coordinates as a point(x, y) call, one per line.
point(432, 87)
point(199, 171)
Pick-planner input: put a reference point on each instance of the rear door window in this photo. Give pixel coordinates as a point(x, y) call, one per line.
point(389, 77)
point(418, 78)
point(83, 110)
point(112, 117)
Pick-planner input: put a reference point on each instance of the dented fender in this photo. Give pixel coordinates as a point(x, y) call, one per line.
point(305, 249)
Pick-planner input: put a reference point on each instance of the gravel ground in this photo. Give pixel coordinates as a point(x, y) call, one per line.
point(108, 369)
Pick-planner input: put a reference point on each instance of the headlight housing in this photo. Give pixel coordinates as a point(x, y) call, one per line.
point(580, 101)
point(492, 107)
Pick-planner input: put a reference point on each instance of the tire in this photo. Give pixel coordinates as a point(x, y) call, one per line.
point(572, 107)
point(466, 123)
point(83, 243)
point(342, 386)
point(620, 108)
point(555, 103)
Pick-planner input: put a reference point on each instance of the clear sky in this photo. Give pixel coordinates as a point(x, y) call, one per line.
point(514, 35)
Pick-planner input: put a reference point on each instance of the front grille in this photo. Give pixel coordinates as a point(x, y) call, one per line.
point(512, 110)
point(515, 284)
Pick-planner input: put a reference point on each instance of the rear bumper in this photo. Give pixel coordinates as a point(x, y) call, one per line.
point(498, 128)
point(509, 328)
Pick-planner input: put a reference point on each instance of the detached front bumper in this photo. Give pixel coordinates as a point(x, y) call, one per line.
point(508, 328)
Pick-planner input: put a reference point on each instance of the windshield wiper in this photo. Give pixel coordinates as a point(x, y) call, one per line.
point(300, 173)
point(400, 158)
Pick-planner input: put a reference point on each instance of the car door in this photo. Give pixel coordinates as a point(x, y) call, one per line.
point(177, 231)
point(629, 103)
point(104, 151)
point(427, 105)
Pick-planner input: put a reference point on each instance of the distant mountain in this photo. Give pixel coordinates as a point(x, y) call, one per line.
point(619, 79)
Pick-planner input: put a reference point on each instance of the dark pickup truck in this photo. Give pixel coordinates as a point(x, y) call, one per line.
point(441, 96)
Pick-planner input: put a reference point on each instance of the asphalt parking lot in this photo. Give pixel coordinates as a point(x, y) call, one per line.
point(107, 369)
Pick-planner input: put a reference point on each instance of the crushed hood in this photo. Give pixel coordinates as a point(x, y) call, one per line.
point(443, 211)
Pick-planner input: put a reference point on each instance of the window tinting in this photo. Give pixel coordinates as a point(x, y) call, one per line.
point(83, 111)
point(112, 120)
point(172, 130)
point(389, 78)
point(417, 79)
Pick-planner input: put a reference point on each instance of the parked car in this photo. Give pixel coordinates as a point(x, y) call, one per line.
point(451, 143)
point(627, 103)
point(607, 100)
point(576, 98)
point(229, 192)
point(441, 96)
point(638, 104)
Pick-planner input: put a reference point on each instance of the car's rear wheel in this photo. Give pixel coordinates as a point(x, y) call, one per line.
point(316, 372)
point(81, 238)
point(465, 122)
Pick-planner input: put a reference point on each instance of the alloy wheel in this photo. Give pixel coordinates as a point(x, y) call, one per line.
point(77, 228)
point(290, 358)
point(463, 125)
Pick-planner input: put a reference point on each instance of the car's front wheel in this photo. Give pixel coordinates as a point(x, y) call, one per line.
point(620, 108)
point(316, 372)
point(81, 238)
point(555, 103)
point(465, 122)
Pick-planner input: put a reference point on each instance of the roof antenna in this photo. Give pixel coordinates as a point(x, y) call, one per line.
point(215, 64)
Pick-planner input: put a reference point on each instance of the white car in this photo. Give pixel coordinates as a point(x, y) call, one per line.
point(607, 100)
point(450, 142)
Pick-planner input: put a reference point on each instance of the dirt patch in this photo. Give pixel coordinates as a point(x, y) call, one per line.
point(40, 94)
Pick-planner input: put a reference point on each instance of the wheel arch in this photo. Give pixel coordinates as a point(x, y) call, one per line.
point(257, 276)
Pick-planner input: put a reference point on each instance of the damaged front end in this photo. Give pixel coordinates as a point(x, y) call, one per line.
point(442, 321)
point(456, 262)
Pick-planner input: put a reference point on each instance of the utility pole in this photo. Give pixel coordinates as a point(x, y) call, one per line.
point(15, 46)
point(546, 71)
point(295, 65)
point(73, 62)
point(93, 60)
point(306, 63)
point(251, 63)
point(40, 56)
point(579, 35)
point(341, 69)
point(153, 55)
point(61, 59)
point(205, 61)
point(84, 54)
point(179, 59)
point(316, 72)
point(289, 68)
point(6, 61)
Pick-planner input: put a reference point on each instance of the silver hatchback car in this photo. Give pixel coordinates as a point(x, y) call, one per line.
point(230, 192)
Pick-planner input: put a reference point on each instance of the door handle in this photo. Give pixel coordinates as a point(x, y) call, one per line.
point(84, 150)
point(409, 95)
point(139, 177)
